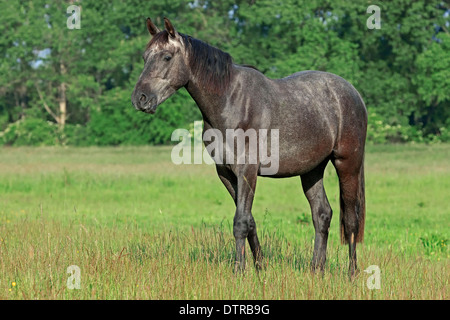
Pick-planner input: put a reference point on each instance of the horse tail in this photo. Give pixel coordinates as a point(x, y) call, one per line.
point(360, 209)
point(362, 204)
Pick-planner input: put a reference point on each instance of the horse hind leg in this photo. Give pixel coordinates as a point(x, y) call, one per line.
point(312, 184)
point(352, 204)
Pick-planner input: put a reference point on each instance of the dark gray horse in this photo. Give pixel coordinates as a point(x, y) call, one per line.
point(319, 116)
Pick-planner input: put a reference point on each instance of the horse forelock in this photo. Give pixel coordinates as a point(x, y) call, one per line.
point(159, 38)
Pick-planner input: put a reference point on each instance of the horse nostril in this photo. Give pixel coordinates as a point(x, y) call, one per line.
point(143, 98)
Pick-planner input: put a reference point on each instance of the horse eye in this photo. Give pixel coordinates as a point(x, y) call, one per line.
point(167, 58)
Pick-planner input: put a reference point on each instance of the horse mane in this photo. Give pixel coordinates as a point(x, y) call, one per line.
point(211, 66)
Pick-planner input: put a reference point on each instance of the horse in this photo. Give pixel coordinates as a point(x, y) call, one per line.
point(320, 117)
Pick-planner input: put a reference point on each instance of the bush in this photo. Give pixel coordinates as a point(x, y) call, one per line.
point(114, 121)
point(75, 135)
point(118, 122)
point(380, 132)
point(30, 132)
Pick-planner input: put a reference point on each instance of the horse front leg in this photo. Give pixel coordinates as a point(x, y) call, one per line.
point(244, 226)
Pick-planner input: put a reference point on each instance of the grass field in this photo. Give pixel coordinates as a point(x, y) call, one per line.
point(139, 227)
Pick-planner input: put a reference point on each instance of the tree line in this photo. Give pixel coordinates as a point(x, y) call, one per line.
point(69, 85)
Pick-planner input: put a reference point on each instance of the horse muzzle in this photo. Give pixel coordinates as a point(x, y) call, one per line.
point(145, 102)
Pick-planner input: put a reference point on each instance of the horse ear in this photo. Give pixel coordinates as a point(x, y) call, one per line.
point(169, 27)
point(151, 27)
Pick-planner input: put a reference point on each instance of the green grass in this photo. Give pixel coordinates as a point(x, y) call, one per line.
point(140, 227)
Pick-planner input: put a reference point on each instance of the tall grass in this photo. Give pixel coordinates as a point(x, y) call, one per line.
point(127, 263)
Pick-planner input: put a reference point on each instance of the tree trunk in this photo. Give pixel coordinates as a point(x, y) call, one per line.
point(62, 100)
point(62, 106)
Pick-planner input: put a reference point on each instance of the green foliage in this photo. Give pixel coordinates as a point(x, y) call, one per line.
point(30, 132)
point(379, 132)
point(81, 80)
point(433, 81)
point(118, 122)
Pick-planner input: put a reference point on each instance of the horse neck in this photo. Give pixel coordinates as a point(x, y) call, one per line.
point(209, 103)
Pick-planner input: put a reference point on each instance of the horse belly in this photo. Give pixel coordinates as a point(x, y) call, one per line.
point(297, 161)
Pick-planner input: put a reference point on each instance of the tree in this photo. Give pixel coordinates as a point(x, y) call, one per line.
point(80, 80)
point(433, 82)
